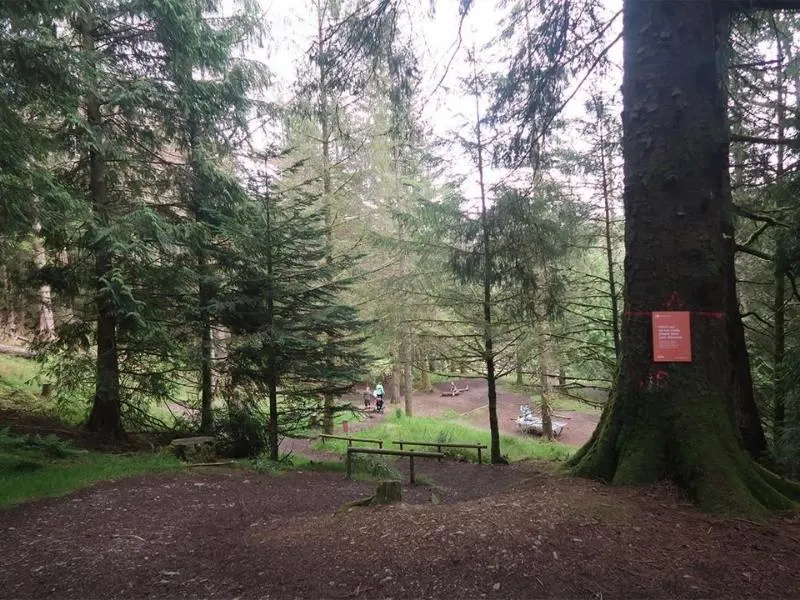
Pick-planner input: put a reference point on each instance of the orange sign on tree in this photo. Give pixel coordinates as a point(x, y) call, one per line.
point(672, 338)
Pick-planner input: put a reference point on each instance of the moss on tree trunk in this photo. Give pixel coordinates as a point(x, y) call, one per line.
point(679, 421)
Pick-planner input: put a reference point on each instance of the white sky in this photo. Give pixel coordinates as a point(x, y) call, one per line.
point(445, 108)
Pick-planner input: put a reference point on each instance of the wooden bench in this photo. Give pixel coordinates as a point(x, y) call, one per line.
point(350, 440)
point(440, 445)
point(411, 454)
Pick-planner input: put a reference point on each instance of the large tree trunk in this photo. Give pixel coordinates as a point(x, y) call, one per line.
point(105, 417)
point(677, 420)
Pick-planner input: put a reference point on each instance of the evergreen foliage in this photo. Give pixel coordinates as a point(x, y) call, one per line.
point(294, 336)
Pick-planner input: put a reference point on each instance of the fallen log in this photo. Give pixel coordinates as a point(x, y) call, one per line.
point(16, 351)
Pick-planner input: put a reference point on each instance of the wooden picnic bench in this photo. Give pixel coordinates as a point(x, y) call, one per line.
point(411, 454)
point(350, 439)
point(440, 445)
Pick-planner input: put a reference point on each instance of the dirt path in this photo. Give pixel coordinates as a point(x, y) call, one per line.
point(242, 535)
point(473, 406)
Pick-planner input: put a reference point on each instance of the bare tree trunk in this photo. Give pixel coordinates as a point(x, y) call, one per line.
point(612, 287)
point(46, 330)
point(408, 387)
point(8, 315)
point(425, 375)
point(394, 389)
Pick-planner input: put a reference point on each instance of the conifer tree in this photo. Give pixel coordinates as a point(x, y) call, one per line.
point(294, 340)
point(205, 109)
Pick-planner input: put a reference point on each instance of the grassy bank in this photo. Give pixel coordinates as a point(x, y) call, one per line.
point(34, 467)
point(428, 429)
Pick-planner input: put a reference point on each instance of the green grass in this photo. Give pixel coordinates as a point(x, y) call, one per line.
point(364, 467)
point(428, 429)
point(34, 467)
point(18, 373)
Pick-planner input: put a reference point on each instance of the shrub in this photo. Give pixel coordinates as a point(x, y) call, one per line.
point(242, 432)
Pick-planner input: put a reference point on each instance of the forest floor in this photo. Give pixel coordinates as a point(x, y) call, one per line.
point(520, 531)
point(469, 531)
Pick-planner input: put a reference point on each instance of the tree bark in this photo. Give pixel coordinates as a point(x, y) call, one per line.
point(425, 376)
point(272, 367)
point(488, 267)
point(105, 417)
point(206, 351)
point(612, 286)
point(46, 329)
point(545, 364)
point(328, 398)
point(394, 389)
point(779, 339)
point(779, 291)
point(677, 420)
point(408, 383)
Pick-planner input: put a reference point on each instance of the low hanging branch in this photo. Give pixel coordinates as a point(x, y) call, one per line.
point(756, 253)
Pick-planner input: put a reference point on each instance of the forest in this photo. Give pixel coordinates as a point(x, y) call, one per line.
point(230, 220)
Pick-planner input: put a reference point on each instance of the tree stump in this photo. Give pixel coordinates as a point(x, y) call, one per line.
point(388, 491)
point(195, 449)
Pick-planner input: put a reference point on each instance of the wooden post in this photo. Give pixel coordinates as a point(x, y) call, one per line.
point(380, 444)
point(348, 466)
point(401, 445)
point(480, 462)
point(411, 465)
point(349, 443)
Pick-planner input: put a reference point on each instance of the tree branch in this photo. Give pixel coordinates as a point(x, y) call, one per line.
point(756, 253)
point(753, 139)
point(757, 217)
point(769, 4)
